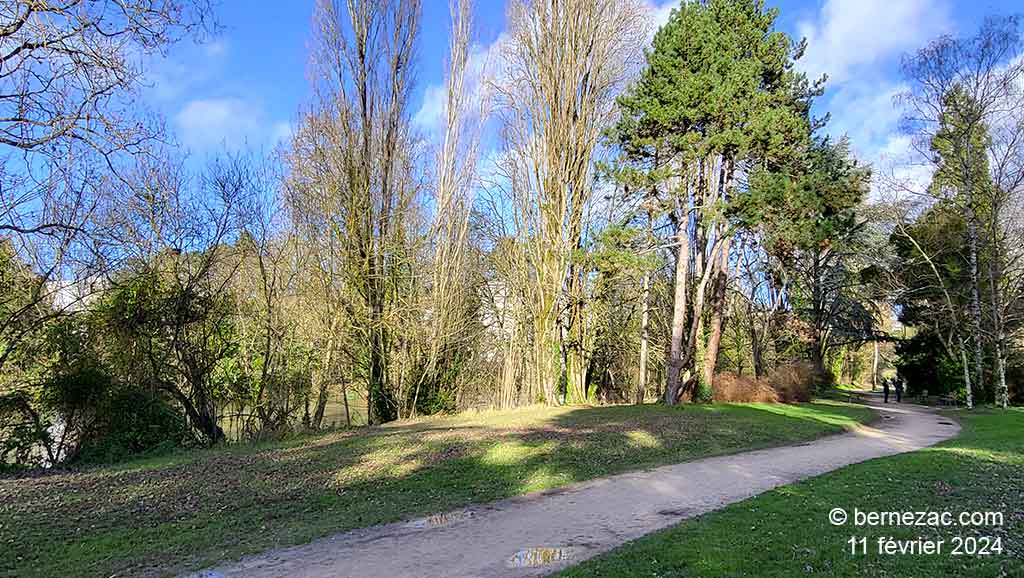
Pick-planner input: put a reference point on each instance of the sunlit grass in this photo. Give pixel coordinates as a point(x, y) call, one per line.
point(812, 412)
point(642, 439)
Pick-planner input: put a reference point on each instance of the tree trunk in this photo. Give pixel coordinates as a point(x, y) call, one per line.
point(547, 365)
point(380, 410)
point(756, 348)
point(975, 309)
point(380, 400)
point(508, 395)
point(995, 273)
point(576, 347)
point(1004, 392)
point(874, 368)
point(321, 404)
point(200, 414)
point(547, 342)
point(696, 343)
point(641, 388)
point(678, 309)
point(323, 391)
point(818, 317)
point(717, 314)
point(967, 374)
point(344, 397)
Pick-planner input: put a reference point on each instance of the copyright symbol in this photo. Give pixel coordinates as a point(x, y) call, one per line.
point(837, 516)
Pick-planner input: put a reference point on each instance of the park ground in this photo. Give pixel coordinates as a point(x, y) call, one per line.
point(785, 532)
point(170, 514)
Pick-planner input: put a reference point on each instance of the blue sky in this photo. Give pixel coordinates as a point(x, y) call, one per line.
point(247, 85)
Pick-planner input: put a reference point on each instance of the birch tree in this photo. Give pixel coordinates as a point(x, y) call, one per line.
point(961, 91)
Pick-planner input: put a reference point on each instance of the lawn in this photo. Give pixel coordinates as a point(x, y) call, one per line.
point(785, 532)
point(185, 511)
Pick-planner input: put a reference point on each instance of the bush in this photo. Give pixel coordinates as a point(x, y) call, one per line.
point(796, 381)
point(789, 383)
point(926, 365)
point(131, 423)
point(704, 393)
point(730, 387)
point(23, 432)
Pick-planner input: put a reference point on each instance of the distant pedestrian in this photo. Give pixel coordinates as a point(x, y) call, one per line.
point(899, 389)
point(885, 389)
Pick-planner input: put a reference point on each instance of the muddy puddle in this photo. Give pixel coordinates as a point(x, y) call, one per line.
point(440, 520)
point(530, 557)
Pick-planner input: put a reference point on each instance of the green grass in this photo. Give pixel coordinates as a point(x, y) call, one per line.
point(785, 532)
point(848, 387)
point(185, 511)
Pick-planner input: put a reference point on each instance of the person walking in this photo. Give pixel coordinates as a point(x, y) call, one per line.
point(885, 389)
point(899, 389)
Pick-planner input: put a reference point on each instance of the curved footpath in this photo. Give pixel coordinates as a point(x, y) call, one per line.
point(537, 534)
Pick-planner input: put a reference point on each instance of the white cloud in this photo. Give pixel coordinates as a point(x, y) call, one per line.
point(167, 79)
point(482, 60)
point(170, 76)
point(216, 48)
point(866, 112)
point(857, 43)
point(280, 132)
point(898, 172)
point(849, 35)
point(659, 12)
point(211, 122)
point(208, 124)
point(431, 111)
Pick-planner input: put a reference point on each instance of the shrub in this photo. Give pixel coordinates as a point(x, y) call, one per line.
point(133, 422)
point(796, 381)
point(788, 383)
point(23, 432)
point(730, 387)
point(704, 392)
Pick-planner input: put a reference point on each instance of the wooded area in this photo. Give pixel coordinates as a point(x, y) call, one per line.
point(602, 218)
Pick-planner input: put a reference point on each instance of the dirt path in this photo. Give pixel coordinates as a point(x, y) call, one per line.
point(540, 533)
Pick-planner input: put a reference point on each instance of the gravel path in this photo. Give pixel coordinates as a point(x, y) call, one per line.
point(540, 533)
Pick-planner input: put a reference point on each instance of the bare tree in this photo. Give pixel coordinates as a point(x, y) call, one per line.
point(352, 180)
point(168, 315)
point(764, 286)
point(270, 318)
point(68, 68)
point(69, 126)
point(954, 340)
point(564, 64)
point(452, 314)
